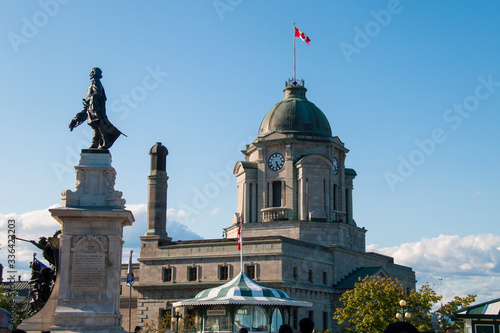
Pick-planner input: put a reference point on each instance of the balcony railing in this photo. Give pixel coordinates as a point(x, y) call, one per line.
point(338, 216)
point(275, 214)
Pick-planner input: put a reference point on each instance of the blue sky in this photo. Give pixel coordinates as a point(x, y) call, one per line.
point(412, 88)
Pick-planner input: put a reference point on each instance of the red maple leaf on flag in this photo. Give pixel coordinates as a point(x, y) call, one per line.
point(302, 36)
point(239, 237)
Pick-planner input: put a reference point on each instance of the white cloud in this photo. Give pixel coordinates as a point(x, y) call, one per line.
point(137, 209)
point(29, 226)
point(455, 265)
point(35, 224)
point(214, 211)
point(181, 216)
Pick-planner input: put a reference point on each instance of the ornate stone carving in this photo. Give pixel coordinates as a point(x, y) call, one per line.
point(95, 182)
point(79, 180)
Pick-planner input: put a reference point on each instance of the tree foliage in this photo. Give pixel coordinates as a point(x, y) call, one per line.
point(420, 304)
point(159, 324)
point(167, 323)
point(374, 303)
point(8, 302)
point(446, 311)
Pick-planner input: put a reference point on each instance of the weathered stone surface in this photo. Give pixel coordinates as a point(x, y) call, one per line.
point(95, 182)
point(86, 297)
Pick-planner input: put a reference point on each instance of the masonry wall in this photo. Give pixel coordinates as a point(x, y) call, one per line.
point(318, 269)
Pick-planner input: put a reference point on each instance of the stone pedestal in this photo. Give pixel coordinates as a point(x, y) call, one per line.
point(86, 297)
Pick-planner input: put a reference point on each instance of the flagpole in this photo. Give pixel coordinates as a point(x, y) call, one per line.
point(130, 296)
point(130, 309)
point(241, 246)
point(294, 80)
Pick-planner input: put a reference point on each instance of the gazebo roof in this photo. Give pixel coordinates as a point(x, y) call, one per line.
point(242, 291)
point(485, 310)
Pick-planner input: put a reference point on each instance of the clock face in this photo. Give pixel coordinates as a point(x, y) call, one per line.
point(276, 161)
point(335, 166)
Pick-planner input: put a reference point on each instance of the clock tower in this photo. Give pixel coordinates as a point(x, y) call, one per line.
point(294, 176)
point(295, 212)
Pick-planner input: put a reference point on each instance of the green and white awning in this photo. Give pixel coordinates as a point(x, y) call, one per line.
point(243, 291)
point(485, 310)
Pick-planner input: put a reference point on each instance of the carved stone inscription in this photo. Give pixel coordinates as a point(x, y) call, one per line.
point(88, 273)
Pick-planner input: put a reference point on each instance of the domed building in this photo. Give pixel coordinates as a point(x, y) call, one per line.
point(294, 171)
point(294, 212)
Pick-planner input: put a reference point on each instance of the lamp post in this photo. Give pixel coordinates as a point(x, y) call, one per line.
point(177, 316)
point(403, 311)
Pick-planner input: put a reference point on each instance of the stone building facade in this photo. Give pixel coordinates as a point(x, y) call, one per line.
point(295, 206)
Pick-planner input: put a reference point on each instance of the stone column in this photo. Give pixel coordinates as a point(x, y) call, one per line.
point(86, 297)
point(247, 200)
point(302, 200)
point(254, 201)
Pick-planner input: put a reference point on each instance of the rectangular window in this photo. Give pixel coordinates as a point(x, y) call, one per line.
point(192, 276)
point(310, 275)
point(325, 321)
point(223, 272)
point(163, 313)
point(485, 328)
point(167, 274)
point(325, 278)
point(311, 315)
point(276, 194)
point(295, 273)
point(250, 271)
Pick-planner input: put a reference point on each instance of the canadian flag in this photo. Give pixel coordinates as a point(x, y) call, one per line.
point(302, 35)
point(239, 237)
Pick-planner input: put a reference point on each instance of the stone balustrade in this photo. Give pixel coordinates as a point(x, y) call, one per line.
point(275, 214)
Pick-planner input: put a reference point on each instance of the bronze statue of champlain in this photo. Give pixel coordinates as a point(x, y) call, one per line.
point(94, 111)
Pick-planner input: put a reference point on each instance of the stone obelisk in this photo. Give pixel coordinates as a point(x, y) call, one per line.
point(86, 297)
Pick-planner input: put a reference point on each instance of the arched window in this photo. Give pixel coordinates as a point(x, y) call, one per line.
point(252, 317)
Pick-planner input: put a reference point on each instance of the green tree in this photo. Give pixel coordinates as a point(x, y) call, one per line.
point(159, 324)
point(420, 304)
point(374, 302)
point(189, 324)
point(446, 311)
point(8, 302)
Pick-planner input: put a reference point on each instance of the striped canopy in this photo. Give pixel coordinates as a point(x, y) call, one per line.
point(483, 310)
point(242, 291)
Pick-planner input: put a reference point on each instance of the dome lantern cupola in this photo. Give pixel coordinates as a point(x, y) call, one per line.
point(295, 114)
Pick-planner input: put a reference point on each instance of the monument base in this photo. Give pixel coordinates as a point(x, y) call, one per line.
point(86, 296)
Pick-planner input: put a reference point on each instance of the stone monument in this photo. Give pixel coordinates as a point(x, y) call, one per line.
point(86, 297)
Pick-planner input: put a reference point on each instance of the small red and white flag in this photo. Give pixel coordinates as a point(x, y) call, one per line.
point(302, 36)
point(239, 237)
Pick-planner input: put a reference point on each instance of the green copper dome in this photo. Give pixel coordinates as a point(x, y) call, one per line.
point(295, 114)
